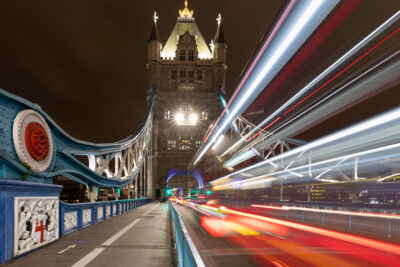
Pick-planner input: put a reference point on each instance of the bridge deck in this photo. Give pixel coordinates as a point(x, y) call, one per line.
point(137, 238)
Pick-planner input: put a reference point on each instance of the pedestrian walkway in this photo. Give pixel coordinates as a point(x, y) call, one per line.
point(137, 238)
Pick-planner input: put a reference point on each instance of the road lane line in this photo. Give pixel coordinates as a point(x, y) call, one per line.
point(95, 252)
point(69, 247)
point(88, 258)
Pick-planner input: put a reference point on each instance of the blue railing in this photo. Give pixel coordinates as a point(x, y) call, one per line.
point(188, 255)
point(74, 217)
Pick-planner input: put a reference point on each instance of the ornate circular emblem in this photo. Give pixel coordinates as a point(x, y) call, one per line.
point(36, 141)
point(32, 140)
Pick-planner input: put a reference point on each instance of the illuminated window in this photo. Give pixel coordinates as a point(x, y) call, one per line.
point(199, 75)
point(204, 115)
point(191, 55)
point(167, 115)
point(171, 144)
point(186, 108)
point(198, 144)
point(185, 144)
point(174, 75)
point(182, 55)
point(182, 76)
point(191, 76)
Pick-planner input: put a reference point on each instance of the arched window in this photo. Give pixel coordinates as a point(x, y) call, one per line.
point(186, 108)
point(171, 144)
point(191, 55)
point(204, 115)
point(167, 115)
point(182, 55)
point(185, 144)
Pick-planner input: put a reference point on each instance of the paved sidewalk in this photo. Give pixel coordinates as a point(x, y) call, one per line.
point(137, 238)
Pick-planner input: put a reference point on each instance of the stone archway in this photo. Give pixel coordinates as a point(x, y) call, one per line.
point(196, 174)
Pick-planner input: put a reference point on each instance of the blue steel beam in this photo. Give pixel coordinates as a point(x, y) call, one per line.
point(65, 149)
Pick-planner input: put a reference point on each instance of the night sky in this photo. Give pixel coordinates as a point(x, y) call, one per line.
point(84, 62)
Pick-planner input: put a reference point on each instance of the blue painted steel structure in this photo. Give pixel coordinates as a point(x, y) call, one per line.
point(66, 149)
point(188, 256)
point(116, 208)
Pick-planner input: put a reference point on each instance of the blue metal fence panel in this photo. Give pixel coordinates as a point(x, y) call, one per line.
point(74, 217)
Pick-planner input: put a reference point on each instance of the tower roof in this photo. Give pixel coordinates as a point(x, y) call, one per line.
point(185, 23)
point(154, 36)
point(219, 35)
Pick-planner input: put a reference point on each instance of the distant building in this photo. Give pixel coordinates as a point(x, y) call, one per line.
point(188, 74)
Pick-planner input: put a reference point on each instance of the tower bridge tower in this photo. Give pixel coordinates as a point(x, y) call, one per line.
point(188, 74)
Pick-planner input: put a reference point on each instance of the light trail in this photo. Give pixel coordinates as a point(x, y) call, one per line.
point(246, 153)
point(362, 241)
point(254, 62)
point(247, 139)
point(362, 214)
point(337, 63)
point(357, 129)
point(312, 14)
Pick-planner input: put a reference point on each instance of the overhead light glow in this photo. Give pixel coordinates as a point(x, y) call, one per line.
point(193, 118)
point(179, 118)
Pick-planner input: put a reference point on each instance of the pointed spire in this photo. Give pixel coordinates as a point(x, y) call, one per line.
point(219, 36)
point(154, 31)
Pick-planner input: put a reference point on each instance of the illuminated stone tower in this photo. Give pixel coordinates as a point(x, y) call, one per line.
point(188, 74)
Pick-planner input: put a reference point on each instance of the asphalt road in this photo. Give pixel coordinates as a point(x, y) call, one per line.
point(245, 241)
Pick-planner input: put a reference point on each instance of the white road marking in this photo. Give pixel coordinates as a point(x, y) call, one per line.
point(69, 247)
point(95, 252)
point(88, 258)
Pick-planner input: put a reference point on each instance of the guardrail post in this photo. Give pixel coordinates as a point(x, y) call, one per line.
point(323, 218)
point(389, 227)
point(80, 217)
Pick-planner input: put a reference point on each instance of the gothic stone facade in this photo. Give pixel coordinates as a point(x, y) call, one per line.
point(187, 74)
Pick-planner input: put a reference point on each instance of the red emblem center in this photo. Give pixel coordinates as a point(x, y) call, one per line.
point(36, 141)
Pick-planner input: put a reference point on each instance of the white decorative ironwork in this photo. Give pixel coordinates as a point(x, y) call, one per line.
point(70, 220)
point(87, 216)
point(35, 222)
point(100, 213)
point(108, 211)
point(243, 127)
point(124, 163)
point(33, 141)
point(120, 208)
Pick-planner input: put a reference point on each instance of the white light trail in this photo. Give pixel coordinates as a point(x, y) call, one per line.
point(337, 63)
point(305, 167)
point(308, 14)
point(219, 141)
point(377, 121)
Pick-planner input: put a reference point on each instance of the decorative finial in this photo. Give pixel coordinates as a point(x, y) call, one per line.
point(219, 19)
point(155, 17)
point(186, 13)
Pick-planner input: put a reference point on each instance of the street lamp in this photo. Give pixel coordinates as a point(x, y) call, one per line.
point(179, 117)
point(193, 118)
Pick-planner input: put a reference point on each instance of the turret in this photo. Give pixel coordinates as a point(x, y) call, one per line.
point(219, 48)
point(219, 45)
point(154, 45)
point(153, 56)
